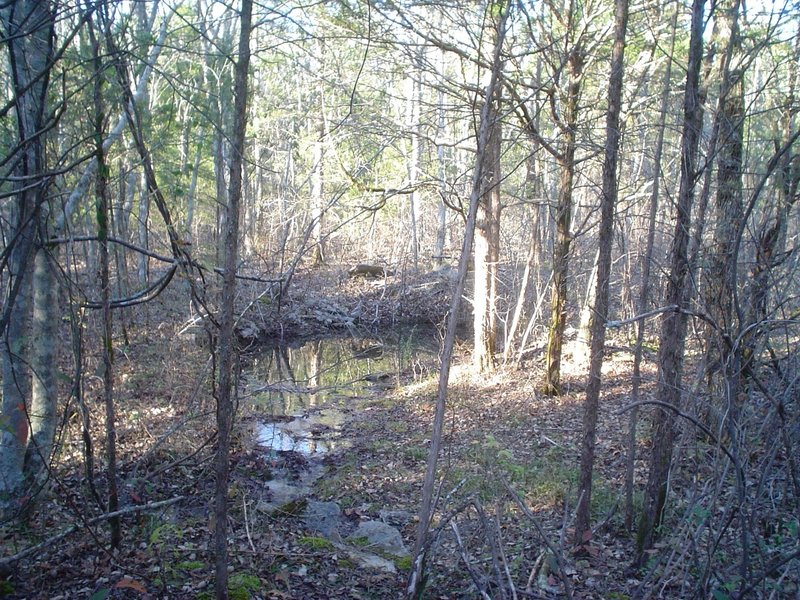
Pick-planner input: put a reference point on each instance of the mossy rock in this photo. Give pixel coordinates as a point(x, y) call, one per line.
point(360, 542)
point(316, 543)
point(403, 563)
point(293, 508)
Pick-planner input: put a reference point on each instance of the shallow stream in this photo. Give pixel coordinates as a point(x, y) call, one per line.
point(304, 390)
point(302, 394)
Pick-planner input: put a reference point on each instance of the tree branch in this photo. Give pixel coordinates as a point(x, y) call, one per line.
point(5, 563)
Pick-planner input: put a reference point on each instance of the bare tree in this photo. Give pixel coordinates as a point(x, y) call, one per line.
point(673, 323)
point(487, 247)
point(422, 545)
point(102, 212)
point(226, 342)
point(29, 31)
point(599, 313)
point(644, 290)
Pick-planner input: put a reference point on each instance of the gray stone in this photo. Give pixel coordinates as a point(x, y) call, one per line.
point(280, 493)
point(381, 536)
point(323, 518)
point(367, 559)
point(398, 518)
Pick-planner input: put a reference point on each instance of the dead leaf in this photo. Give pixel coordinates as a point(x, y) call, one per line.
point(127, 582)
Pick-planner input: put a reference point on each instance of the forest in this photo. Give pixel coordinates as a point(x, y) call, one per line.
point(395, 299)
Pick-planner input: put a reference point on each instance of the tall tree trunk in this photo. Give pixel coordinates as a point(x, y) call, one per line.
point(487, 248)
point(144, 234)
point(720, 278)
point(417, 576)
point(413, 101)
point(526, 299)
point(561, 250)
point(44, 389)
point(673, 324)
point(191, 200)
point(29, 30)
point(582, 342)
point(644, 291)
point(605, 240)
point(317, 190)
point(441, 220)
point(771, 242)
point(102, 213)
point(119, 225)
point(226, 348)
point(218, 149)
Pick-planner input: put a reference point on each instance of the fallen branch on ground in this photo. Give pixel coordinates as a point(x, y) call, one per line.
point(6, 562)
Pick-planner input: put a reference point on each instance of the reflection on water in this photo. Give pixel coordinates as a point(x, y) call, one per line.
point(303, 388)
point(272, 435)
point(288, 380)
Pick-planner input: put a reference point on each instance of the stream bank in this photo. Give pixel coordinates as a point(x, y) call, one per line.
point(299, 397)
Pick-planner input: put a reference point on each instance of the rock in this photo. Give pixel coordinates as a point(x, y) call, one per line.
point(323, 518)
point(280, 494)
point(381, 536)
point(397, 518)
point(366, 559)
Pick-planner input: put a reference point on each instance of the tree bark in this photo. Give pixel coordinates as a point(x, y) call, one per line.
point(44, 389)
point(561, 250)
point(487, 248)
point(644, 291)
point(102, 215)
point(226, 348)
point(771, 242)
point(720, 269)
point(673, 324)
point(29, 30)
point(605, 241)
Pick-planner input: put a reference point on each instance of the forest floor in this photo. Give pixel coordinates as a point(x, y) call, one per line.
point(506, 447)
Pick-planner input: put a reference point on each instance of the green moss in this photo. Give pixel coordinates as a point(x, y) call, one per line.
point(294, 508)
point(403, 563)
point(190, 565)
point(361, 542)
point(6, 588)
point(242, 586)
point(398, 427)
point(316, 543)
point(415, 453)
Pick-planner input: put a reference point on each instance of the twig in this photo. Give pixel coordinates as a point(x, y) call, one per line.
point(493, 544)
point(246, 524)
point(556, 553)
point(503, 558)
point(645, 315)
point(9, 560)
point(678, 412)
point(465, 557)
point(534, 570)
point(756, 581)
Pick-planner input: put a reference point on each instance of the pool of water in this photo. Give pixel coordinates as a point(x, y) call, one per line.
point(304, 389)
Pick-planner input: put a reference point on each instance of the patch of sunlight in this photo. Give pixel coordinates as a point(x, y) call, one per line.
point(161, 411)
